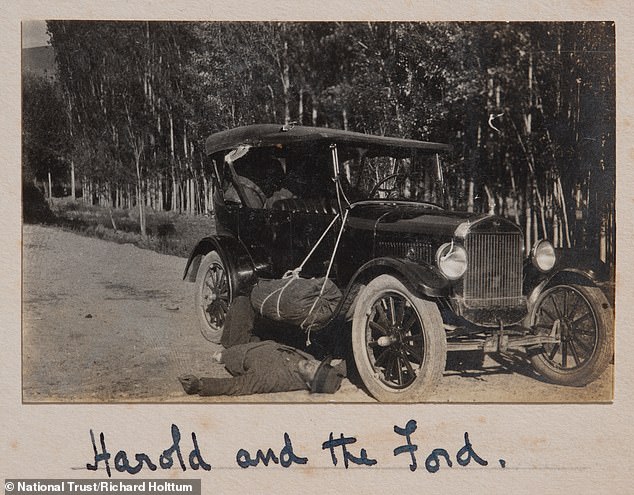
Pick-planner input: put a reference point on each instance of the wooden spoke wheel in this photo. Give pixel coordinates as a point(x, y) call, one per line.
point(213, 296)
point(398, 340)
point(580, 318)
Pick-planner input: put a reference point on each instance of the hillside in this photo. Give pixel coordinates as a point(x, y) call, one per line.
point(39, 60)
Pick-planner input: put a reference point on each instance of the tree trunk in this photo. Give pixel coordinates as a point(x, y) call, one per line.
point(470, 196)
point(566, 226)
point(181, 198)
point(314, 110)
point(490, 200)
point(273, 109)
point(114, 225)
point(173, 206)
point(139, 201)
point(529, 227)
point(72, 180)
point(190, 196)
point(199, 200)
point(50, 188)
point(161, 203)
point(528, 116)
point(205, 209)
point(147, 192)
point(139, 196)
point(542, 213)
point(286, 84)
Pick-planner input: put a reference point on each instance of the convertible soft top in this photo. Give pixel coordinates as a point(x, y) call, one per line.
point(263, 135)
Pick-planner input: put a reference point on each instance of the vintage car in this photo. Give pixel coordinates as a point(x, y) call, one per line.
point(418, 280)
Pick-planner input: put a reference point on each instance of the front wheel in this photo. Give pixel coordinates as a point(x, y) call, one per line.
point(580, 318)
point(398, 341)
point(213, 296)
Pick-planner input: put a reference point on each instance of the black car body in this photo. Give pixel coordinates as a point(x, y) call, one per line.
point(420, 280)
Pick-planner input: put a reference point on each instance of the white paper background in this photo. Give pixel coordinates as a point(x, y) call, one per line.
point(548, 448)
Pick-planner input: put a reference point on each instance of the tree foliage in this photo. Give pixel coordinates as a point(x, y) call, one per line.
point(529, 107)
point(44, 142)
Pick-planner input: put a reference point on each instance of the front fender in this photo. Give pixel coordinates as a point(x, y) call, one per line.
point(422, 279)
point(572, 266)
point(238, 263)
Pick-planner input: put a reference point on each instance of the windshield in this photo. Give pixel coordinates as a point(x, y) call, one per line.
point(261, 177)
point(417, 178)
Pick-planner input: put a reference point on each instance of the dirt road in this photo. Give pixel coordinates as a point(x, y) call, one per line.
point(106, 322)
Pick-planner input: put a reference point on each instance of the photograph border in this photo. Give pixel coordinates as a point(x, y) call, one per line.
point(53, 440)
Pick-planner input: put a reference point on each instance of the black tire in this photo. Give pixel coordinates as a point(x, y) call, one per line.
point(213, 296)
point(582, 319)
point(398, 341)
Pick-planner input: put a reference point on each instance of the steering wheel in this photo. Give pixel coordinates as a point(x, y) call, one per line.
point(388, 190)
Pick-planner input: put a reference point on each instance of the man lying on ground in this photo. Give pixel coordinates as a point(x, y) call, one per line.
point(265, 367)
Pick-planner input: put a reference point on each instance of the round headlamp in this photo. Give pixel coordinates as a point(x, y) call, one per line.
point(451, 259)
point(544, 256)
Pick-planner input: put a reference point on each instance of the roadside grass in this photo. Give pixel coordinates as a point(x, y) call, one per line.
point(167, 232)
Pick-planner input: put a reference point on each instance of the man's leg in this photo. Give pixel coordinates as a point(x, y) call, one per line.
point(209, 386)
point(239, 323)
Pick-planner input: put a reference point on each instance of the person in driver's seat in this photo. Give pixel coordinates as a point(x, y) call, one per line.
point(274, 186)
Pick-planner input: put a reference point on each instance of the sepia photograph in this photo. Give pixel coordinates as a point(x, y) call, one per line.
point(318, 212)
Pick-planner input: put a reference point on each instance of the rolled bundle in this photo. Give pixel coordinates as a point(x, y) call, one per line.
point(296, 301)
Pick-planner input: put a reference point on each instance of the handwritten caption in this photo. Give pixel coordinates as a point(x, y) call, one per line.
point(342, 450)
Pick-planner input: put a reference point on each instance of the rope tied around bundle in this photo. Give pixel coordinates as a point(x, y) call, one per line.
point(294, 274)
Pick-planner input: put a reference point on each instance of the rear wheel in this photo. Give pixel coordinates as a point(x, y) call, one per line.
point(580, 318)
point(398, 341)
point(213, 296)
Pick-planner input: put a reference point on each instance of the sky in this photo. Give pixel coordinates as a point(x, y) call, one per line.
point(34, 34)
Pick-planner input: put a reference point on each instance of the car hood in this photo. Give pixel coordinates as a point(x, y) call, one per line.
point(406, 217)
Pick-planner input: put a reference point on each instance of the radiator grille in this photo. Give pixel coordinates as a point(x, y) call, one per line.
point(494, 275)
